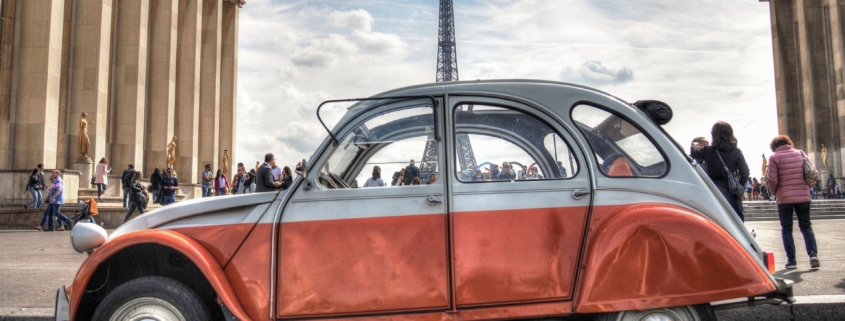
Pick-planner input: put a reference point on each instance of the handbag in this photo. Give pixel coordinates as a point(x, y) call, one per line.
point(734, 187)
point(810, 175)
point(140, 197)
point(93, 180)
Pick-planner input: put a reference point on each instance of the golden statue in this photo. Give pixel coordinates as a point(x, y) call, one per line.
point(84, 143)
point(225, 161)
point(824, 156)
point(765, 165)
point(171, 153)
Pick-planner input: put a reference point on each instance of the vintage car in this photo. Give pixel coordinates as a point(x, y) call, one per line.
point(507, 199)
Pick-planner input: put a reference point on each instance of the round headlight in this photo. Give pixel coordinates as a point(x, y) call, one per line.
point(87, 236)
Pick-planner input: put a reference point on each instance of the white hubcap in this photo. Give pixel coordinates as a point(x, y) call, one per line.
point(667, 314)
point(147, 309)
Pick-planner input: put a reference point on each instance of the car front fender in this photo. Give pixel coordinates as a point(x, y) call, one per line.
point(187, 246)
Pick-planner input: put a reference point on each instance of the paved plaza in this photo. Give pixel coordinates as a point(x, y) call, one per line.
point(34, 264)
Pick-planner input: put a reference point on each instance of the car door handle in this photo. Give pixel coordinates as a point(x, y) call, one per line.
point(433, 200)
point(577, 194)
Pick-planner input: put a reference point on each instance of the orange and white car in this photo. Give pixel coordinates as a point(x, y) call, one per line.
point(617, 221)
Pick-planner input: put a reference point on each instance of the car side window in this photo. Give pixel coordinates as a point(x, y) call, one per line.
point(502, 144)
point(621, 149)
point(393, 148)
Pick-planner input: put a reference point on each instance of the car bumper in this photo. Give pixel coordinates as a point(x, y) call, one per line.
point(782, 294)
point(62, 305)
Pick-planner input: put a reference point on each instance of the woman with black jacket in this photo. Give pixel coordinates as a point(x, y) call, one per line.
point(137, 196)
point(155, 183)
point(287, 178)
point(34, 187)
point(723, 149)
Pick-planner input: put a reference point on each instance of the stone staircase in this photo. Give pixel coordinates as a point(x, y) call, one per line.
point(819, 209)
point(113, 201)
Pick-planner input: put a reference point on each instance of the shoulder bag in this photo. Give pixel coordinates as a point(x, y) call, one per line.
point(810, 175)
point(733, 182)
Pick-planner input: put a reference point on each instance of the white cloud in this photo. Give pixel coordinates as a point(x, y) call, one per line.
point(358, 20)
point(594, 73)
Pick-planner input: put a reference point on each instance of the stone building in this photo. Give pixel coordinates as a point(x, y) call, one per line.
point(143, 70)
point(807, 40)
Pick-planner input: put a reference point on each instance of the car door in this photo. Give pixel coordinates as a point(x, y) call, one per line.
point(516, 236)
point(346, 249)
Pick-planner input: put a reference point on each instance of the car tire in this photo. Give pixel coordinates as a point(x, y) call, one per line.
point(702, 312)
point(153, 298)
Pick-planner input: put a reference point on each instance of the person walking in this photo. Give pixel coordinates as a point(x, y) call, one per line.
point(264, 180)
point(55, 199)
point(221, 183)
point(34, 187)
point(125, 181)
point(40, 169)
point(155, 185)
point(207, 181)
point(169, 186)
point(138, 196)
point(101, 177)
point(723, 150)
point(411, 172)
point(787, 180)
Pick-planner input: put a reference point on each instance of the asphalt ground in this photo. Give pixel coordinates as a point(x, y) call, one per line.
point(34, 264)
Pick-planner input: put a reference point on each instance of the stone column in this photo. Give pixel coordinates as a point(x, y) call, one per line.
point(89, 83)
point(35, 82)
point(130, 75)
point(66, 124)
point(7, 40)
point(209, 131)
point(228, 82)
point(162, 82)
point(187, 90)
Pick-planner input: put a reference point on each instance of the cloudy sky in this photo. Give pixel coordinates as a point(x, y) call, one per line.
point(709, 59)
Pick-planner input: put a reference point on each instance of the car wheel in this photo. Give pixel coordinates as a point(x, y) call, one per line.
point(152, 298)
point(701, 312)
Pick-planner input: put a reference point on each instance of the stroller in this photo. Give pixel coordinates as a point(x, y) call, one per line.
point(86, 212)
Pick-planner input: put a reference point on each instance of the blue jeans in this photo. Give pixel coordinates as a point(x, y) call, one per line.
point(165, 200)
point(125, 196)
point(802, 210)
point(51, 211)
point(154, 193)
point(36, 197)
point(221, 191)
point(206, 191)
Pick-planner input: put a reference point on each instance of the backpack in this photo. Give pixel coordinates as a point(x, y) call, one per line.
point(126, 177)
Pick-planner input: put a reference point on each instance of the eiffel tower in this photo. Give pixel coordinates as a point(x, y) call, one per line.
point(447, 70)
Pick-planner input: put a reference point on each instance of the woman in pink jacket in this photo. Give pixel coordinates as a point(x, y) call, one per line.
point(786, 181)
point(101, 177)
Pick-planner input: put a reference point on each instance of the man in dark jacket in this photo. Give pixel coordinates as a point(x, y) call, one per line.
point(169, 186)
point(411, 172)
point(264, 181)
point(125, 181)
point(43, 186)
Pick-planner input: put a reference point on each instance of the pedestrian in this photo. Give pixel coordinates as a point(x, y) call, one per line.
point(207, 181)
point(814, 192)
point(169, 186)
point(138, 196)
point(375, 180)
point(432, 179)
point(264, 179)
point(562, 169)
point(239, 180)
point(286, 179)
point(755, 189)
point(251, 181)
point(277, 173)
point(748, 188)
point(40, 168)
point(34, 189)
point(411, 172)
point(155, 184)
point(701, 141)
point(221, 183)
point(125, 180)
point(787, 180)
point(398, 178)
point(101, 178)
point(55, 200)
point(724, 150)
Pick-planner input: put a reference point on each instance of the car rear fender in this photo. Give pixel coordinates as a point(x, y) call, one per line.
point(653, 255)
point(190, 248)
